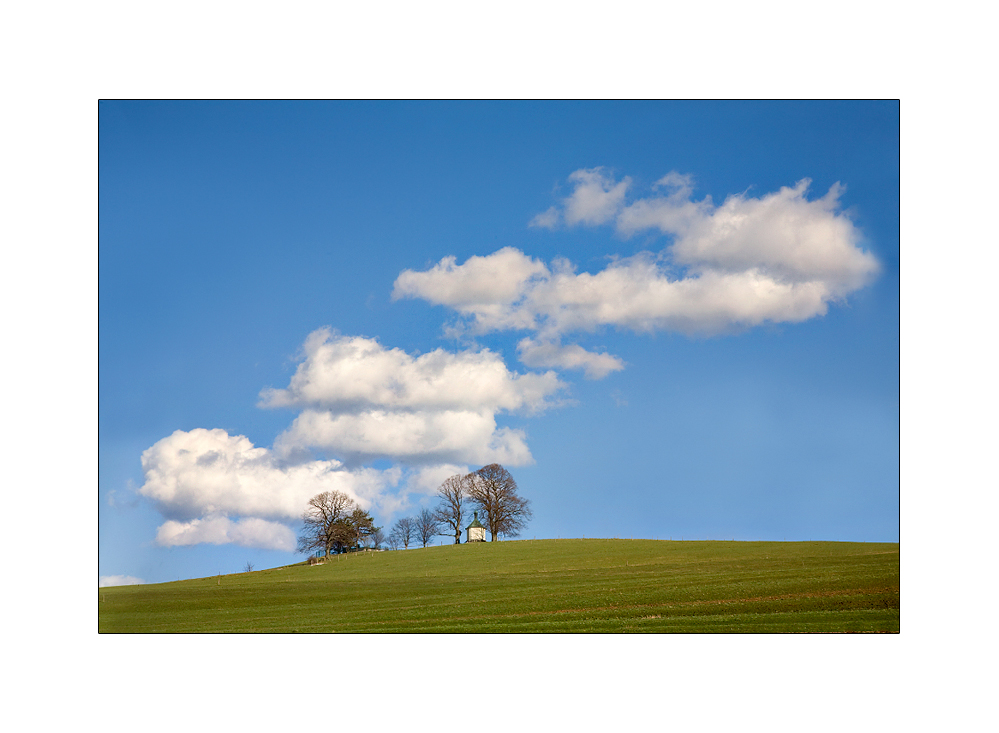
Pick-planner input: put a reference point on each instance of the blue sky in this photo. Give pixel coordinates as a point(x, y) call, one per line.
point(665, 319)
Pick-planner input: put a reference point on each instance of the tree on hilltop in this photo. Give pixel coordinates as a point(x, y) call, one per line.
point(324, 522)
point(494, 490)
point(357, 528)
point(453, 496)
point(427, 526)
point(402, 532)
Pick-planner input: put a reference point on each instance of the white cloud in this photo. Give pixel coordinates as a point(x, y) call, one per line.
point(463, 436)
point(641, 293)
point(497, 280)
point(108, 581)
point(207, 472)
point(362, 401)
point(638, 293)
point(355, 374)
point(782, 235)
point(779, 258)
point(485, 289)
point(670, 211)
point(550, 354)
point(596, 198)
point(220, 530)
point(201, 479)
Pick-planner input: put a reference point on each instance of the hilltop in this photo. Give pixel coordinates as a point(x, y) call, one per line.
point(581, 585)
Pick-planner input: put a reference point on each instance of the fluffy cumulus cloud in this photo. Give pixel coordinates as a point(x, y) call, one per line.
point(781, 235)
point(778, 258)
point(409, 437)
point(219, 488)
point(347, 374)
point(203, 472)
point(471, 290)
point(481, 287)
point(361, 401)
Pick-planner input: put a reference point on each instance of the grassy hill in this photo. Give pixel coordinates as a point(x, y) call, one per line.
point(536, 586)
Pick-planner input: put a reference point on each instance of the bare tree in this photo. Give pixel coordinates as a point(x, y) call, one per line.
point(453, 496)
point(427, 526)
point(324, 522)
point(377, 538)
point(494, 490)
point(403, 530)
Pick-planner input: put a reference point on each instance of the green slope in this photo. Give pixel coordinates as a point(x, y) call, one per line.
point(538, 586)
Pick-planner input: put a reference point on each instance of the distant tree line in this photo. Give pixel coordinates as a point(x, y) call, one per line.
point(333, 523)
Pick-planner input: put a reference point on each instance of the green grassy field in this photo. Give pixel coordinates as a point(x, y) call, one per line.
point(537, 586)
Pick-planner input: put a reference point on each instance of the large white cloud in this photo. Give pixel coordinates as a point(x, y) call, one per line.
point(220, 488)
point(782, 235)
point(481, 287)
point(209, 472)
point(467, 288)
point(355, 374)
point(641, 293)
point(217, 488)
point(362, 401)
point(777, 258)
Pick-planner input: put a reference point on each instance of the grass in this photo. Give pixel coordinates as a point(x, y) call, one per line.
point(538, 586)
